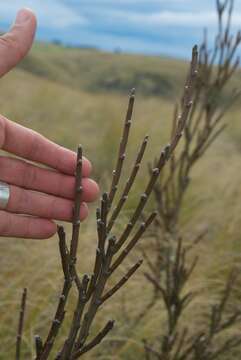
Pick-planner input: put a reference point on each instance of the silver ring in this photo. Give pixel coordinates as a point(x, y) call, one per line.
point(4, 195)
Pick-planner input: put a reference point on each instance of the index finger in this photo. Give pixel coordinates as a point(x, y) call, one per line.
point(26, 143)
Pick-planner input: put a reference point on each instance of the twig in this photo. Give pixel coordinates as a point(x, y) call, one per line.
point(112, 291)
point(97, 340)
point(38, 345)
point(68, 264)
point(122, 149)
point(128, 185)
point(21, 324)
point(76, 212)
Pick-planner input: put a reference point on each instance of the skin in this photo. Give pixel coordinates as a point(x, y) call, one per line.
point(38, 195)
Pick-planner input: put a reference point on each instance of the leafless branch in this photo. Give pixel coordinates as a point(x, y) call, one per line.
point(93, 291)
point(204, 124)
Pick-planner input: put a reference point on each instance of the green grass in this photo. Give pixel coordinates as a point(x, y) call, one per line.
point(72, 96)
point(96, 71)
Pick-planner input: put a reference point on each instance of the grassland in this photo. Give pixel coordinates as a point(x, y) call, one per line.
point(72, 96)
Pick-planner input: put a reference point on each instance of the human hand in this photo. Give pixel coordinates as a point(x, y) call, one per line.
point(37, 195)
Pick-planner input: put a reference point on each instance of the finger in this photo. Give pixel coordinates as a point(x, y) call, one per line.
point(23, 201)
point(15, 44)
point(28, 176)
point(12, 225)
point(30, 145)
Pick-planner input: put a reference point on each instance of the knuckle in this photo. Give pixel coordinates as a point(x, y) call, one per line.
point(34, 146)
point(51, 209)
point(5, 224)
point(27, 228)
point(23, 203)
point(29, 175)
point(11, 43)
point(2, 162)
point(2, 131)
point(59, 185)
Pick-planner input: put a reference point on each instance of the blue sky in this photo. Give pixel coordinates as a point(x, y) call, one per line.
point(142, 26)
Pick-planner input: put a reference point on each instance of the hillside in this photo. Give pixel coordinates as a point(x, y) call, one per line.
point(78, 95)
point(97, 72)
point(92, 70)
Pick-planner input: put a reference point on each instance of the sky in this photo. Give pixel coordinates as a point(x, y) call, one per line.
point(159, 27)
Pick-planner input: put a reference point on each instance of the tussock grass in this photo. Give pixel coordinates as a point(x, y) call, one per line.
point(60, 105)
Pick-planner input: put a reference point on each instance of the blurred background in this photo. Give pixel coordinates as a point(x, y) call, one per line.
point(156, 27)
point(73, 88)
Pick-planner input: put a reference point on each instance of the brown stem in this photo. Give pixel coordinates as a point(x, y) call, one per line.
point(122, 149)
point(21, 324)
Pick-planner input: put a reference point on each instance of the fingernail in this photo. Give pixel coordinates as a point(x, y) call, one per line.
point(22, 16)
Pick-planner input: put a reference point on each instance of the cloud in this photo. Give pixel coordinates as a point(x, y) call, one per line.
point(149, 5)
point(149, 26)
point(50, 13)
point(163, 18)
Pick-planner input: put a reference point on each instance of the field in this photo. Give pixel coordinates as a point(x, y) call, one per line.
point(79, 96)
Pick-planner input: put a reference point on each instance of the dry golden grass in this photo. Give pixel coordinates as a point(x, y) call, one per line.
point(69, 116)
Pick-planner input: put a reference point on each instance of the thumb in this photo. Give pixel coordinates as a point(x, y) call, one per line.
point(15, 44)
